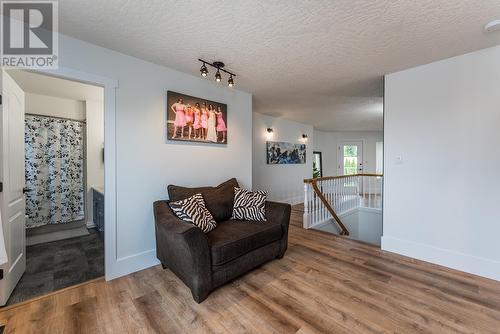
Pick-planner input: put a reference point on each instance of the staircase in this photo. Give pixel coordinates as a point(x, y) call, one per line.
point(328, 199)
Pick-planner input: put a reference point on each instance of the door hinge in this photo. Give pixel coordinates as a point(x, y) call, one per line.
point(1, 187)
point(0, 99)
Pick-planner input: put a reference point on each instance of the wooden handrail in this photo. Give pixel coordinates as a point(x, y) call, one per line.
point(340, 177)
point(344, 230)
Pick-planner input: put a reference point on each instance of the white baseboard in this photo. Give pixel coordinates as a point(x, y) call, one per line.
point(292, 200)
point(464, 262)
point(90, 224)
point(130, 264)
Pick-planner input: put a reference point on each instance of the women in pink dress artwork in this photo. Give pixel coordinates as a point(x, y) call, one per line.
point(189, 120)
point(211, 132)
point(221, 125)
point(179, 108)
point(197, 121)
point(204, 120)
point(193, 119)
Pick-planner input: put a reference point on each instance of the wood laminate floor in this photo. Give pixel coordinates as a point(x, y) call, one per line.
point(324, 284)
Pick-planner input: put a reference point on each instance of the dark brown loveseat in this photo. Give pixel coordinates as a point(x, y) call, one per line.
point(206, 261)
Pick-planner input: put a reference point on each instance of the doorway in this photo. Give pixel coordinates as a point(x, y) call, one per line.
point(350, 158)
point(317, 164)
point(62, 125)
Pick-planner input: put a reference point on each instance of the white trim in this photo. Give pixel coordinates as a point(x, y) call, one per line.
point(90, 224)
point(445, 257)
point(111, 266)
point(292, 200)
point(130, 264)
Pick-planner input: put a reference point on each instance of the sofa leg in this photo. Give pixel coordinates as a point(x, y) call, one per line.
point(281, 253)
point(163, 266)
point(199, 297)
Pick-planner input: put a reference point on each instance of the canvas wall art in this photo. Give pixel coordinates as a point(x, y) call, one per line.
point(285, 153)
point(194, 119)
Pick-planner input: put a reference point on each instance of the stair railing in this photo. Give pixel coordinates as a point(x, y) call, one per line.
point(326, 198)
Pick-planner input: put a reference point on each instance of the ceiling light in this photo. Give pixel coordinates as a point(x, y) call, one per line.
point(220, 68)
point(492, 26)
point(204, 70)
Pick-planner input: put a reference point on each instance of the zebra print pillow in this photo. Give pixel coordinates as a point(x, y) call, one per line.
point(192, 210)
point(249, 205)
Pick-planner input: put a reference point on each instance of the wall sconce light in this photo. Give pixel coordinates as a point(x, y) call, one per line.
point(269, 133)
point(304, 137)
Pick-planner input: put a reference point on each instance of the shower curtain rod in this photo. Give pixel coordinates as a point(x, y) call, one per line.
point(56, 117)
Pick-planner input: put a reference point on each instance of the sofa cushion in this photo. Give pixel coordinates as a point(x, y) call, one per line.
point(234, 238)
point(218, 200)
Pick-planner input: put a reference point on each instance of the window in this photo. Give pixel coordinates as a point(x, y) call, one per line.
point(350, 159)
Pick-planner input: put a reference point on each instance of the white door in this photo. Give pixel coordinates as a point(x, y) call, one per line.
point(12, 198)
point(350, 158)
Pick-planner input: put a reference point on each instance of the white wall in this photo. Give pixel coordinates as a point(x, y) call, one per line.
point(441, 200)
point(95, 141)
point(283, 182)
point(146, 161)
point(54, 106)
point(328, 142)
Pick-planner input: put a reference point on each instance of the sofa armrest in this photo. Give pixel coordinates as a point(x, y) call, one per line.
point(184, 249)
point(280, 213)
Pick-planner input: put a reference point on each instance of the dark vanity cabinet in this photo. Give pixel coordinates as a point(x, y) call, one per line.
point(98, 198)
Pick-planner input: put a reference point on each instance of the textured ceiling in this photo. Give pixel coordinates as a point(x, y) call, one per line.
point(319, 62)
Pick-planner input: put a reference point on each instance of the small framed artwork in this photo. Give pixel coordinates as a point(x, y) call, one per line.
point(281, 153)
point(194, 119)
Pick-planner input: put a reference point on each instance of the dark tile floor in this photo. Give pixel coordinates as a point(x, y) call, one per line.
point(56, 265)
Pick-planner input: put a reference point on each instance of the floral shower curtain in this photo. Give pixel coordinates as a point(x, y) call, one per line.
point(54, 170)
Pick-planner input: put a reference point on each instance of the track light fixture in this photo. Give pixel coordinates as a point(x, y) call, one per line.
point(220, 67)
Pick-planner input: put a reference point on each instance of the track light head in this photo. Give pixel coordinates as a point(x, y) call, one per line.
point(218, 77)
point(204, 70)
point(230, 81)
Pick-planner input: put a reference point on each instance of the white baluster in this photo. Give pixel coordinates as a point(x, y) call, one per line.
point(370, 190)
point(305, 216)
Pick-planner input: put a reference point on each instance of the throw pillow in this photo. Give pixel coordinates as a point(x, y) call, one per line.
point(192, 210)
point(249, 205)
point(218, 200)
